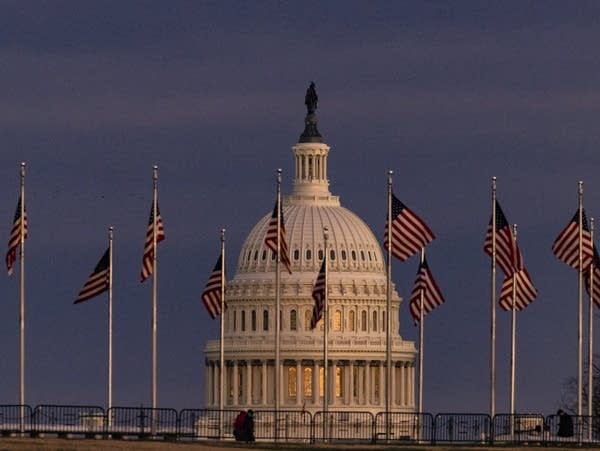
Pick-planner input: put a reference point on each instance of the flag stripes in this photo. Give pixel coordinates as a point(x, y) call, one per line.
point(318, 294)
point(147, 259)
point(432, 296)
point(211, 297)
point(409, 233)
point(15, 237)
point(592, 278)
point(271, 238)
point(566, 245)
point(508, 255)
point(98, 281)
point(525, 292)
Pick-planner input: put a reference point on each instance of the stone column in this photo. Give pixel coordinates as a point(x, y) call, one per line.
point(248, 383)
point(264, 383)
point(316, 385)
point(235, 381)
point(333, 383)
point(361, 385)
point(209, 384)
point(382, 386)
point(393, 384)
point(299, 391)
point(368, 386)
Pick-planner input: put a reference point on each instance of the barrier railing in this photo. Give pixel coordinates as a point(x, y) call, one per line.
point(461, 427)
point(68, 420)
point(343, 427)
point(403, 427)
point(15, 418)
point(142, 422)
point(299, 426)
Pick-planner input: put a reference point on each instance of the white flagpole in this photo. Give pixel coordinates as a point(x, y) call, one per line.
point(154, 291)
point(493, 308)
point(278, 306)
point(580, 306)
point(421, 338)
point(591, 337)
point(22, 302)
point(388, 307)
point(110, 322)
point(513, 348)
point(325, 336)
point(222, 334)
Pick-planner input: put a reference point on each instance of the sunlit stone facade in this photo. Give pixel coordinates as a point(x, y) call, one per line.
point(357, 310)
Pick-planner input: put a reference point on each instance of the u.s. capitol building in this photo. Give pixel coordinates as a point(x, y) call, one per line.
point(356, 300)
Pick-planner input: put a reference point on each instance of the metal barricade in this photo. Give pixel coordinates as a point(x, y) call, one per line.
point(403, 427)
point(518, 428)
point(462, 428)
point(68, 420)
point(289, 426)
point(206, 423)
point(15, 418)
point(568, 428)
point(141, 422)
point(335, 426)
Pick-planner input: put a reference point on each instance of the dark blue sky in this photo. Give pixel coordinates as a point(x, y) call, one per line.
point(95, 93)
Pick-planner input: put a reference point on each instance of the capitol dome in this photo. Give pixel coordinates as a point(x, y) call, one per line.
point(357, 305)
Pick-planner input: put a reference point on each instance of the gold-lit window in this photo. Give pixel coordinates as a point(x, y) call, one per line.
point(375, 321)
point(292, 382)
point(351, 321)
point(307, 381)
point(363, 320)
point(337, 321)
point(339, 382)
point(307, 319)
point(321, 384)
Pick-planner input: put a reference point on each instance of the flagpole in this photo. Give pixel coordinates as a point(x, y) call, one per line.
point(222, 333)
point(154, 289)
point(513, 348)
point(110, 322)
point(493, 308)
point(388, 316)
point(325, 336)
point(421, 338)
point(591, 333)
point(22, 302)
point(580, 306)
point(278, 306)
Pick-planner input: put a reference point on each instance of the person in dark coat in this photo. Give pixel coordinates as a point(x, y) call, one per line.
point(248, 434)
point(565, 424)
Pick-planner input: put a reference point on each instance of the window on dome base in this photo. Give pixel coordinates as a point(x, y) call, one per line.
point(343, 254)
point(293, 322)
point(307, 380)
point(353, 253)
point(351, 321)
point(307, 319)
point(253, 320)
point(320, 254)
point(296, 254)
point(265, 320)
point(332, 254)
point(292, 389)
point(308, 254)
point(375, 321)
point(337, 321)
point(363, 320)
point(243, 321)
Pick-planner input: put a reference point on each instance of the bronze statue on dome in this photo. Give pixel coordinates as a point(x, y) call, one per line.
point(311, 99)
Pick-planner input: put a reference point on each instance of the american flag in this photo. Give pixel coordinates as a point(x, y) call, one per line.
point(432, 297)
point(508, 255)
point(211, 296)
point(593, 277)
point(318, 294)
point(409, 232)
point(147, 260)
point(98, 281)
point(566, 245)
point(15, 237)
point(271, 238)
point(525, 292)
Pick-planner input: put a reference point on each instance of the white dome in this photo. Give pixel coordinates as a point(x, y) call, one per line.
point(352, 245)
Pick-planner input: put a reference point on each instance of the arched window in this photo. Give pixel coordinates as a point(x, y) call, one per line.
point(243, 320)
point(293, 325)
point(337, 321)
point(363, 320)
point(375, 321)
point(339, 382)
point(351, 321)
point(384, 325)
point(265, 320)
point(253, 320)
point(307, 319)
